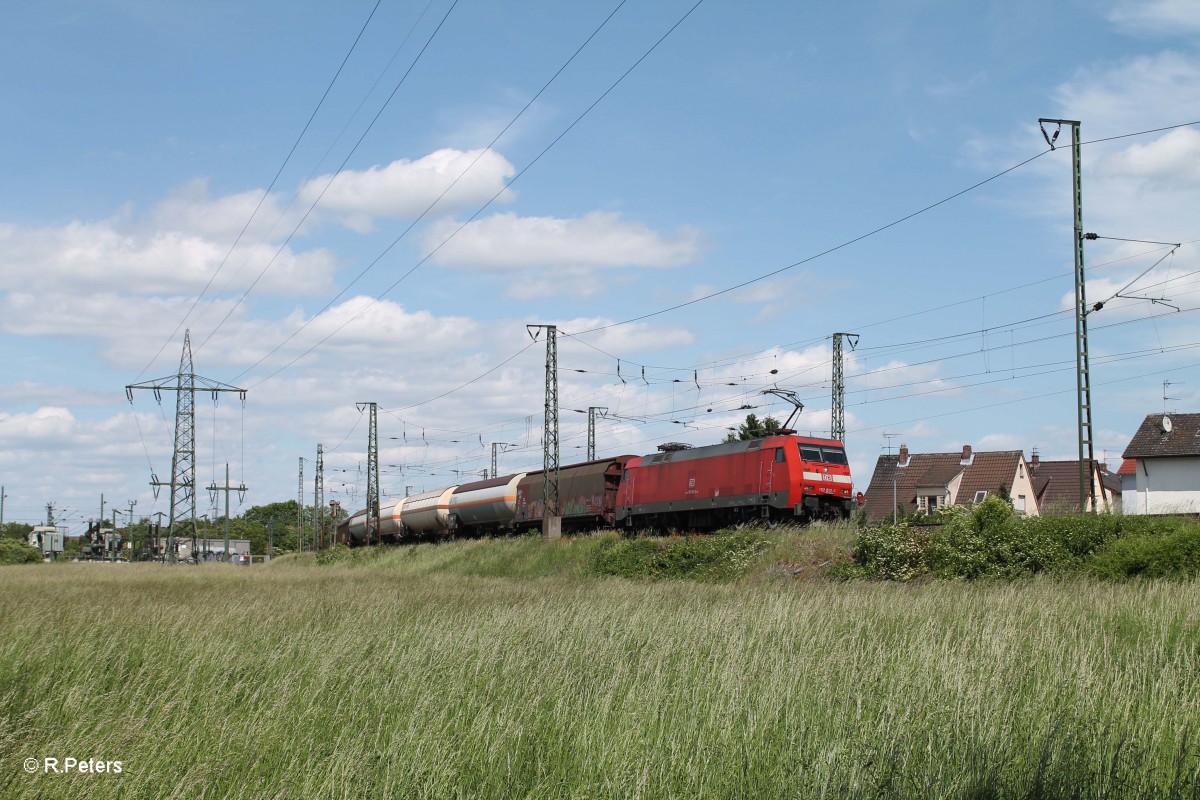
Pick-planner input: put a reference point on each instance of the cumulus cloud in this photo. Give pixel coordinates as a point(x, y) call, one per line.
point(1171, 161)
point(83, 257)
point(48, 424)
point(404, 188)
point(1150, 89)
point(596, 240)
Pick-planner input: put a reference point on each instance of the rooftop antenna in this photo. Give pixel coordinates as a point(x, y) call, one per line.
point(1165, 398)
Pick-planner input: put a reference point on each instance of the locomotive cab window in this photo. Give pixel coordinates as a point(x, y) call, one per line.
point(810, 453)
point(778, 455)
point(833, 455)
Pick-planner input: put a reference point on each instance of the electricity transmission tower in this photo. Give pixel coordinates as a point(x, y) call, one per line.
point(319, 499)
point(183, 458)
point(838, 427)
point(372, 475)
point(551, 521)
point(1083, 379)
point(300, 509)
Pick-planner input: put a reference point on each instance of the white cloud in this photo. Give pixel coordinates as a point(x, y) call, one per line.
point(81, 257)
point(1159, 17)
point(48, 424)
point(1171, 161)
point(595, 240)
point(191, 208)
point(404, 189)
point(1135, 94)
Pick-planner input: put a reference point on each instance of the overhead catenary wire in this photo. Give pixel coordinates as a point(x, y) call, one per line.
point(866, 235)
point(332, 178)
point(475, 215)
point(266, 193)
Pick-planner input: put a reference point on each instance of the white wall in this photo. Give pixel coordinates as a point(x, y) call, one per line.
point(1172, 486)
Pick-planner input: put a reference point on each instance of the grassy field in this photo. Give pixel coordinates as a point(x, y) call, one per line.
point(499, 669)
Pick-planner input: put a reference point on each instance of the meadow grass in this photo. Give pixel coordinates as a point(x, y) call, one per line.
point(434, 673)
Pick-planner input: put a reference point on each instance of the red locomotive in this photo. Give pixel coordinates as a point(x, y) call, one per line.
point(782, 478)
point(778, 478)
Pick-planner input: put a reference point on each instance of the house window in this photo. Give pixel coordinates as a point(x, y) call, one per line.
point(927, 503)
point(1021, 503)
point(982, 493)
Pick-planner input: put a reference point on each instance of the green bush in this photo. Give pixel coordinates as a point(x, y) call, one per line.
point(889, 552)
point(1175, 554)
point(717, 557)
point(16, 552)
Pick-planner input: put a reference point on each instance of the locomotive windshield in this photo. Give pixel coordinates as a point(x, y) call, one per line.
point(824, 455)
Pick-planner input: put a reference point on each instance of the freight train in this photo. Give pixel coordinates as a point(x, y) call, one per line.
point(777, 478)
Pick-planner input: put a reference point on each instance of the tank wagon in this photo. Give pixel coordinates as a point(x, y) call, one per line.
point(587, 496)
point(780, 478)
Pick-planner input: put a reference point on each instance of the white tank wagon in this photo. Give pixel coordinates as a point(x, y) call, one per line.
point(485, 505)
point(389, 521)
point(356, 526)
point(428, 512)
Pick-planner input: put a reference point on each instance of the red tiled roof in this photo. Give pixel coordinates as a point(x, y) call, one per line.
point(1128, 467)
point(985, 472)
point(1056, 484)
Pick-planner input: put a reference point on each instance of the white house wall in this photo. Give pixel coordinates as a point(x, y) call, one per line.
point(1171, 487)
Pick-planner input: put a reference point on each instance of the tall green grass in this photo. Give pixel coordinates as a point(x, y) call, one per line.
point(402, 677)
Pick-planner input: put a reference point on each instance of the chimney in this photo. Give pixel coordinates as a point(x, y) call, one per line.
point(1034, 460)
point(966, 456)
point(903, 455)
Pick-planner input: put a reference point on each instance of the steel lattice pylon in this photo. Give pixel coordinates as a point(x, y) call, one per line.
point(372, 475)
point(300, 509)
point(838, 426)
point(550, 506)
point(319, 499)
point(183, 459)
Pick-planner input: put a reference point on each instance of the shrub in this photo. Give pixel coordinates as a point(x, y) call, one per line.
point(1175, 554)
point(16, 552)
point(889, 552)
point(717, 557)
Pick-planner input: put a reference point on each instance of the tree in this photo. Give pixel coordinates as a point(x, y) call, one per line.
point(754, 428)
point(15, 530)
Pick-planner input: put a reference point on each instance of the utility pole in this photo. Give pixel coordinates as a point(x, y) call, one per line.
point(591, 446)
point(3, 495)
point(551, 521)
point(227, 488)
point(372, 474)
point(110, 545)
point(838, 428)
point(495, 463)
point(300, 509)
point(99, 520)
point(1083, 381)
point(129, 530)
point(183, 458)
point(319, 499)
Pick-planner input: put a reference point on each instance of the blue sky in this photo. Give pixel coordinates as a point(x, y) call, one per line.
point(140, 136)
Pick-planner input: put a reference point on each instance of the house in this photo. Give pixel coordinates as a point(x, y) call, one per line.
point(1165, 478)
point(1056, 484)
point(925, 482)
